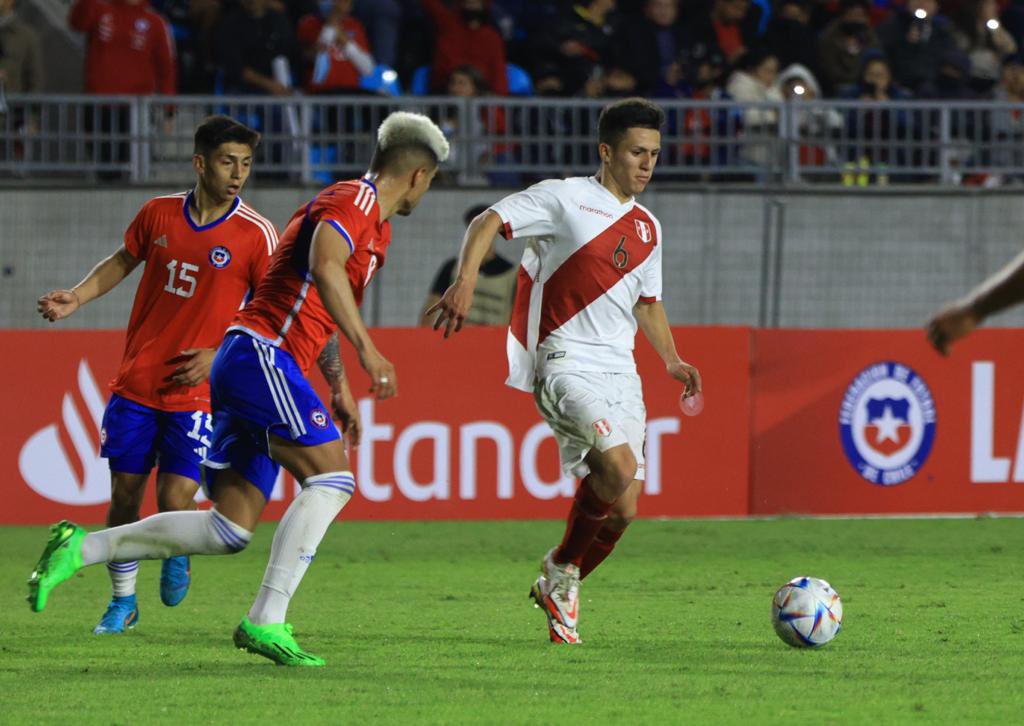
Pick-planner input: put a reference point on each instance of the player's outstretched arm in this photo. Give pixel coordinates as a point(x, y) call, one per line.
point(956, 320)
point(654, 323)
point(342, 402)
point(328, 253)
point(104, 277)
point(453, 307)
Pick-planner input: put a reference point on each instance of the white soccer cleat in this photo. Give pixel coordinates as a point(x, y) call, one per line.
point(561, 591)
point(557, 632)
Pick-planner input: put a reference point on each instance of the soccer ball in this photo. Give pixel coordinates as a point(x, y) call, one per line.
point(807, 612)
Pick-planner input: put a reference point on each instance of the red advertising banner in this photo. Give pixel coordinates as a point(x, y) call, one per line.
point(803, 422)
point(456, 443)
point(865, 422)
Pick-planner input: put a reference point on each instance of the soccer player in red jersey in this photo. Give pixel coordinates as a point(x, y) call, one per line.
point(958, 319)
point(203, 250)
point(266, 414)
point(591, 273)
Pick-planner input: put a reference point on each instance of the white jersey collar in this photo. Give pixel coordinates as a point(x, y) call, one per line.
point(615, 200)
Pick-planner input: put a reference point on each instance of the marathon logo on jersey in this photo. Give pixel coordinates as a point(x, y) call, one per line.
point(643, 231)
point(887, 423)
point(103, 436)
point(319, 418)
point(220, 257)
point(603, 428)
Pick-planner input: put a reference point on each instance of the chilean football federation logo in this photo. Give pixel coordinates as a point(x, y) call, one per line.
point(887, 423)
point(319, 418)
point(220, 257)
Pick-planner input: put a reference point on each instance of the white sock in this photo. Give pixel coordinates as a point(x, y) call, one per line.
point(164, 535)
point(296, 540)
point(123, 576)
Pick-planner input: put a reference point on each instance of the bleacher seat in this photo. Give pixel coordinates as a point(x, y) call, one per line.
point(383, 80)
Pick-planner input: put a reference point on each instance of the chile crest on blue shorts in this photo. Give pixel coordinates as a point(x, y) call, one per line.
point(887, 423)
point(319, 418)
point(220, 257)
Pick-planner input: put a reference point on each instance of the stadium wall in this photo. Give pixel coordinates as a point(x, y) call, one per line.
point(867, 258)
point(796, 422)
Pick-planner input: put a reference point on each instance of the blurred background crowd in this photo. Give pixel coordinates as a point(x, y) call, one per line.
point(747, 50)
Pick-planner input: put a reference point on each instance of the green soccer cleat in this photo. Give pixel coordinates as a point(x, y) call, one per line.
point(60, 560)
point(275, 642)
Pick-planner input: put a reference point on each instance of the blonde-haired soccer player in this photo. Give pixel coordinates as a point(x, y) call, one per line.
point(266, 414)
point(591, 271)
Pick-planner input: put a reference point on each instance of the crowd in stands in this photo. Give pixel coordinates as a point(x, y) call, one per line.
point(743, 49)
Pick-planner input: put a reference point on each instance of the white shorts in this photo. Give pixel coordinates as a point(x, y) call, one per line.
point(593, 411)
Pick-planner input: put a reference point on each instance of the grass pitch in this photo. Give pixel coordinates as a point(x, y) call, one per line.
point(429, 623)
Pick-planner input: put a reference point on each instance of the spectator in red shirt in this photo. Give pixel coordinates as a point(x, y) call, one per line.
point(129, 48)
point(336, 48)
point(465, 36)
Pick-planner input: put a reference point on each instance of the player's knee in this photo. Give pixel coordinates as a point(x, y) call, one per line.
point(175, 498)
point(334, 488)
point(126, 499)
point(621, 516)
point(625, 470)
point(228, 537)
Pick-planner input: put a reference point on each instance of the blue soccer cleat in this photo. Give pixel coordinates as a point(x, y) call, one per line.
point(175, 577)
point(122, 614)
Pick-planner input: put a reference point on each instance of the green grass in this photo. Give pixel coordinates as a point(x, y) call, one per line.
point(429, 622)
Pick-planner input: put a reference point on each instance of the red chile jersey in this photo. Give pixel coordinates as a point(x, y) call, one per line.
point(194, 280)
point(286, 311)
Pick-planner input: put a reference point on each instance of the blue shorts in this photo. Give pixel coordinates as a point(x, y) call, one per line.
point(258, 390)
point(136, 437)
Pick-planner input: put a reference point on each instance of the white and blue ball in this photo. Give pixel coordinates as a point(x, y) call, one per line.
point(807, 612)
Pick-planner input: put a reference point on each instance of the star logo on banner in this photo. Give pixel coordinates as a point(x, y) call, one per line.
point(888, 427)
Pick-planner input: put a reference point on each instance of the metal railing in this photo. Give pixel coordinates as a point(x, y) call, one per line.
point(311, 140)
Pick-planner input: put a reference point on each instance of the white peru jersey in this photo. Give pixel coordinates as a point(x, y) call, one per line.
point(589, 260)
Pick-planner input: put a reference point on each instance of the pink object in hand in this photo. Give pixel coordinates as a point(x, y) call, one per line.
point(692, 405)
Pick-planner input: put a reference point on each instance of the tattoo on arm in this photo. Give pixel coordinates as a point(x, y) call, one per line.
point(330, 361)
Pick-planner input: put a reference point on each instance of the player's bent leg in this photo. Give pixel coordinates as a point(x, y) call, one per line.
point(327, 486)
point(610, 474)
point(556, 591)
point(218, 531)
point(619, 518)
point(175, 493)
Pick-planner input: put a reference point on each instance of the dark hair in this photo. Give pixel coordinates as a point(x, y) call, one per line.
point(401, 158)
point(753, 58)
point(217, 130)
point(474, 75)
point(474, 212)
point(629, 113)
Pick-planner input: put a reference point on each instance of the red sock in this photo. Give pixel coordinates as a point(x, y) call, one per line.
point(586, 518)
point(600, 548)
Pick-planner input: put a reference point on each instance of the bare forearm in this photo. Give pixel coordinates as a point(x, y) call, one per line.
point(475, 245)
point(654, 324)
point(105, 276)
point(330, 364)
point(1002, 290)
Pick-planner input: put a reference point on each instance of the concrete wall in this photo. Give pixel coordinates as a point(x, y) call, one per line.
point(863, 258)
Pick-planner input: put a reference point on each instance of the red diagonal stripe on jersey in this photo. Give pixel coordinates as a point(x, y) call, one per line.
point(591, 271)
point(521, 306)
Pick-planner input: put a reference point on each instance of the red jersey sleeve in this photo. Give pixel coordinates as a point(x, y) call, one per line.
point(349, 214)
point(138, 238)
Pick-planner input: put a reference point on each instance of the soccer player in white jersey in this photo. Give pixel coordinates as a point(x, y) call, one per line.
point(590, 273)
